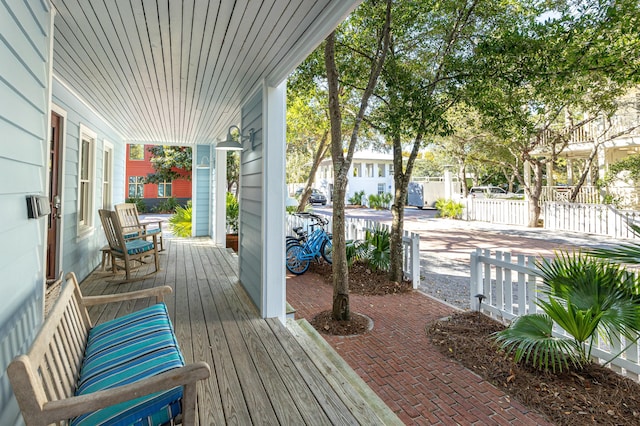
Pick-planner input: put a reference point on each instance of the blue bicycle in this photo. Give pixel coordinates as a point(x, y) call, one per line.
point(300, 254)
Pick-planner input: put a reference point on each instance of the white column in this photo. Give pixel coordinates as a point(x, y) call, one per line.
point(550, 180)
point(220, 207)
point(569, 172)
point(273, 208)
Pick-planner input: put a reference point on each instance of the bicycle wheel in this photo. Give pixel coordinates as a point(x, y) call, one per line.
point(327, 251)
point(295, 265)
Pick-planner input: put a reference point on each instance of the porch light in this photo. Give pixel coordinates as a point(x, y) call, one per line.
point(231, 145)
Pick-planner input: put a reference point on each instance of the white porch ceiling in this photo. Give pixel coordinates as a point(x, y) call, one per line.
point(177, 71)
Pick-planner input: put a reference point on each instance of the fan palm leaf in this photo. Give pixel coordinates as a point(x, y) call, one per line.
point(530, 339)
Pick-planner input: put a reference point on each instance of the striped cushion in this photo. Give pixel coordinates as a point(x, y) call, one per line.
point(138, 246)
point(127, 349)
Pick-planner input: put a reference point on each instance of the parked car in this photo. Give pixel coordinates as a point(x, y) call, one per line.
point(316, 196)
point(489, 191)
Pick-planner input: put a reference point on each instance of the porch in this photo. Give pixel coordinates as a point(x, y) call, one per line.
point(260, 373)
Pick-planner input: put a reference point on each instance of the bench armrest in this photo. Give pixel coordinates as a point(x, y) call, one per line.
point(76, 405)
point(157, 292)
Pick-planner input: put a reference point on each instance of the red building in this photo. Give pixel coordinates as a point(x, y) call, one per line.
point(138, 166)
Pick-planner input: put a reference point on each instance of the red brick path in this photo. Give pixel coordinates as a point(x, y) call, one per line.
point(398, 362)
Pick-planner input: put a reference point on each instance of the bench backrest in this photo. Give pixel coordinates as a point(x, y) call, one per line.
point(49, 371)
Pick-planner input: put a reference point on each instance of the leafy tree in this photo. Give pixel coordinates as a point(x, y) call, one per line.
point(420, 83)
point(170, 163)
point(233, 170)
point(307, 131)
point(351, 74)
point(531, 78)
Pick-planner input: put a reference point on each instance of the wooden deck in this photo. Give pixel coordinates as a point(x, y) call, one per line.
point(260, 372)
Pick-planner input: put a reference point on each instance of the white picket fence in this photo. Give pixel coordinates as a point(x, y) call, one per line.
point(497, 210)
point(509, 285)
point(355, 229)
point(596, 219)
point(599, 219)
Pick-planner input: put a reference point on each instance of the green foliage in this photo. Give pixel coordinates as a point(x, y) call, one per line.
point(180, 222)
point(357, 199)
point(170, 163)
point(233, 169)
point(378, 253)
point(380, 201)
point(449, 208)
point(374, 249)
point(587, 297)
point(168, 205)
point(139, 202)
point(233, 211)
point(291, 209)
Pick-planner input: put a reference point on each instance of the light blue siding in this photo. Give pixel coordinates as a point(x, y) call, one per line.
point(24, 80)
point(251, 201)
point(202, 177)
point(83, 255)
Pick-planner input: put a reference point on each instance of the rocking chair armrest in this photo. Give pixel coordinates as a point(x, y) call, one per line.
point(76, 405)
point(157, 292)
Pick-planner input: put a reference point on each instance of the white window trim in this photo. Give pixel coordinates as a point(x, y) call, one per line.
point(108, 147)
point(164, 185)
point(87, 229)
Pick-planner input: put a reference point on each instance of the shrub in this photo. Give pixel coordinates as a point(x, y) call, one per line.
point(585, 296)
point(180, 222)
point(357, 198)
point(233, 211)
point(449, 208)
point(139, 202)
point(168, 205)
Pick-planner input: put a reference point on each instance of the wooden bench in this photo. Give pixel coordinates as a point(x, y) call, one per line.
point(120, 371)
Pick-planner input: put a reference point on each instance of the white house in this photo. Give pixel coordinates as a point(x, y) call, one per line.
point(79, 80)
point(371, 172)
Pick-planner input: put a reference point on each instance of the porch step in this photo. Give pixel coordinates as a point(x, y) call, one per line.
point(341, 376)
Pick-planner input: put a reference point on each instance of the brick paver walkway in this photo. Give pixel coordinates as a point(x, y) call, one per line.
point(398, 362)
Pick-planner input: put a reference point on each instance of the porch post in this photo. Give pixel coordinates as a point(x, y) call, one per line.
point(569, 172)
point(220, 206)
point(273, 214)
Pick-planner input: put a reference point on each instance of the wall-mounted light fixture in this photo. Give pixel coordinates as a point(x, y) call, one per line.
point(232, 145)
point(204, 163)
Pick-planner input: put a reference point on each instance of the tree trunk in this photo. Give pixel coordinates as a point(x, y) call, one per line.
point(341, 310)
point(534, 195)
point(320, 152)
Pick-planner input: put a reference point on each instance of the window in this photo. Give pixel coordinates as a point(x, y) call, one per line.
point(136, 186)
point(136, 152)
point(356, 169)
point(390, 169)
point(107, 172)
point(86, 180)
point(164, 189)
point(381, 170)
point(380, 188)
point(368, 170)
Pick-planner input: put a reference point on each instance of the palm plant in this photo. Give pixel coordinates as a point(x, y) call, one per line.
point(586, 297)
point(180, 221)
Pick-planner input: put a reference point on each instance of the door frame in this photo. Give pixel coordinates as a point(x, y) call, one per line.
point(61, 182)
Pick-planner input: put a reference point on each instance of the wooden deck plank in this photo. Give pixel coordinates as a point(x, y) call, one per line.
point(260, 373)
point(266, 370)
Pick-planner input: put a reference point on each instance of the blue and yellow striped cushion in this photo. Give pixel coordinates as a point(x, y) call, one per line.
point(138, 246)
point(127, 349)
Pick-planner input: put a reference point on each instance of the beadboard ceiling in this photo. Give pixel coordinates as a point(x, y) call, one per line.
point(177, 71)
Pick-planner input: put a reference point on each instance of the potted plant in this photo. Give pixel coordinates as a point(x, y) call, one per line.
point(233, 211)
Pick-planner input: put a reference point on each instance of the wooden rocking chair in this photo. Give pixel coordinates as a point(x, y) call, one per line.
point(133, 228)
point(129, 250)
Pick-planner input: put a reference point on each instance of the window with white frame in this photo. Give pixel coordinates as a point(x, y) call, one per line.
point(136, 186)
point(86, 180)
point(368, 170)
point(381, 170)
point(356, 169)
point(380, 188)
point(107, 173)
point(164, 189)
